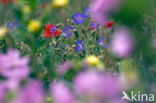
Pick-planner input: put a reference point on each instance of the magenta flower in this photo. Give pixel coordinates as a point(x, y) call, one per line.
point(96, 85)
point(12, 66)
point(122, 43)
point(31, 93)
point(61, 94)
point(63, 68)
point(101, 9)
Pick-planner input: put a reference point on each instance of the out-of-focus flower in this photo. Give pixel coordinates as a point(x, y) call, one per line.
point(3, 92)
point(14, 67)
point(68, 30)
point(101, 41)
point(78, 18)
point(34, 26)
point(61, 94)
point(51, 30)
point(93, 26)
point(79, 46)
point(92, 60)
point(3, 32)
point(4, 1)
point(7, 1)
point(59, 3)
point(26, 9)
point(31, 93)
point(96, 85)
point(109, 24)
point(63, 68)
point(101, 9)
point(12, 25)
point(87, 12)
point(122, 43)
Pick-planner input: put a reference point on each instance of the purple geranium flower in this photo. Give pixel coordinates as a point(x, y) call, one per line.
point(101, 41)
point(93, 26)
point(79, 46)
point(68, 30)
point(78, 18)
point(87, 12)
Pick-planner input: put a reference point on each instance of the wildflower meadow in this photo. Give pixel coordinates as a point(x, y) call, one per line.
point(78, 51)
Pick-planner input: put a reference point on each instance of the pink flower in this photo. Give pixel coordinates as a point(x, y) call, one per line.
point(31, 93)
point(101, 9)
point(12, 66)
point(63, 68)
point(61, 94)
point(122, 42)
point(96, 85)
point(3, 92)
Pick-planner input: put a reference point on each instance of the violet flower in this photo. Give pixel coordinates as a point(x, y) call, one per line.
point(87, 12)
point(68, 30)
point(78, 18)
point(101, 42)
point(79, 46)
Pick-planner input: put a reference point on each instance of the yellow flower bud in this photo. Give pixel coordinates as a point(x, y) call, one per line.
point(34, 26)
point(59, 3)
point(26, 9)
point(3, 32)
point(92, 60)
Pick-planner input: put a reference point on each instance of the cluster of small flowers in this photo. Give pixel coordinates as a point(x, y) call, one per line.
point(52, 30)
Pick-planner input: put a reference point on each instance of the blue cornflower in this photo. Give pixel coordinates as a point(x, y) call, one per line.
point(93, 26)
point(86, 12)
point(79, 46)
point(78, 18)
point(101, 41)
point(68, 30)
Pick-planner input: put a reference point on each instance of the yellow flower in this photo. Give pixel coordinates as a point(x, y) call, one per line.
point(59, 3)
point(92, 60)
point(26, 9)
point(34, 26)
point(3, 32)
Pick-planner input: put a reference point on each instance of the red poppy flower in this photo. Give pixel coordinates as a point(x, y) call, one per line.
point(51, 30)
point(109, 24)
